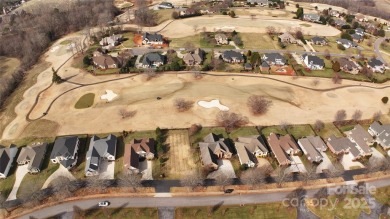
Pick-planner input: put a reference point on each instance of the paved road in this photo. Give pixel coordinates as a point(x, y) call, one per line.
point(377, 46)
point(185, 201)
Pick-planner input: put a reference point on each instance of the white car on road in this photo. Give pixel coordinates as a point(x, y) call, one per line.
point(104, 204)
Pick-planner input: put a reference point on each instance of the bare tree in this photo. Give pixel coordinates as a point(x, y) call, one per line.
point(258, 105)
point(127, 114)
point(310, 174)
point(150, 73)
point(281, 175)
point(340, 115)
point(271, 30)
point(189, 46)
point(63, 187)
point(284, 125)
point(367, 72)
point(192, 180)
point(230, 120)
point(195, 128)
point(357, 115)
point(319, 125)
point(336, 78)
point(327, 54)
point(182, 105)
point(321, 194)
point(96, 185)
point(223, 180)
point(143, 16)
point(129, 180)
point(315, 82)
point(255, 176)
point(30, 194)
point(335, 170)
point(253, 17)
point(377, 116)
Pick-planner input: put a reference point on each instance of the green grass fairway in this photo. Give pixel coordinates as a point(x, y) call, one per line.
point(85, 101)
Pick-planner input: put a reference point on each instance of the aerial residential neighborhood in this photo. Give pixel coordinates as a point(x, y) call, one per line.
point(194, 109)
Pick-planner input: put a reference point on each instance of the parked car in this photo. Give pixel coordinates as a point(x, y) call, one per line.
point(229, 190)
point(104, 204)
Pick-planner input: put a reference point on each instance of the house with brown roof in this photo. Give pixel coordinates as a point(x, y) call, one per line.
point(213, 148)
point(348, 66)
point(221, 39)
point(287, 38)
point(105, 62)
point(137, 151)
point(311, 147)
point(249, 148)
point(276, 148)
point(195, 57)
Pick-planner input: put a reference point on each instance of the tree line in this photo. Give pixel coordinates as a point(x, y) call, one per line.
point(362, 6)
point(27, 35)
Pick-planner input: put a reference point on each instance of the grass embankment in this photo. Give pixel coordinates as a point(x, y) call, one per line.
point(269, 210)
point(102, 213)
point(85, 101)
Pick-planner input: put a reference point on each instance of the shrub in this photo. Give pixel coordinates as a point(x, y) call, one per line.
point(258, 104)
point(385, 100)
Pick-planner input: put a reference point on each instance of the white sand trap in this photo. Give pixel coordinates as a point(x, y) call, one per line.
point(213, 103)
point(109, 96)
point(55, 48)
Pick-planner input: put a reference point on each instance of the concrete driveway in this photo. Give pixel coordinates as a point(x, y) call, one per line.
point(106, 170)
point(61, 171)
point(347, 162)
point(21, 171)
point(296, 165)
point(145, 167)
point(224, 167)
point(326, 164)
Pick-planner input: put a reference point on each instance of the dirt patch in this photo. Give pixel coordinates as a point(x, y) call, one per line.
point(180, 161)
point(40, 128)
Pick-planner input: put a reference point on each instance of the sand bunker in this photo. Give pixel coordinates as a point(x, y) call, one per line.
point(109, 96)
point(55, 48)
point(213, 103)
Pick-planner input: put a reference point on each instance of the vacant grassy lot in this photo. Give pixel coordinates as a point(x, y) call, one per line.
point(128, 40)
point(258, 41)
point(185, 41)
point(102, 213)
point(8, 66)
point(270, 210)
point(164, 15)
point(339, 210)
point(85, 101)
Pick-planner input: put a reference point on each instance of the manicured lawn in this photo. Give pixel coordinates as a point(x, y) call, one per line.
point(269, 210)
point(382, 195)
point(65, 42)
point(139, 213)
point(300, 131)
point(181, 42)
point(243, 131)
point(385, 47)
point(380, 78)
point(272, 129)
point(164, 15)
point(128, 43)
point(7, 184)
point(85, 101)
point(339, 210)
point(104, 71)
point(257, 41)
point(328, 130)
point(346, 128)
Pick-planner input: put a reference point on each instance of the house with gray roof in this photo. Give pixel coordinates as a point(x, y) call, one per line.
point(376, 65)
point(111, 41)
point(348, 66)
point(359, 31)
point(346, 43)
point(153, 60)
point(100, 149)
point(165, 5)
point(231, 56)
point(339, 23)
point(313, 62)
point(152, 39)
point(287, 38)
point(319, 41)
point(357, 38)
point(65, 151)
point(312, 18)
point(381, 133)
point(311, 147)
point(249, 148)
point(261, 3)
point(32, 155)
point(362, 139)
point(274, 59)
point(352, 144)
point(7, 157)
point(213, 148)
point(339, 146)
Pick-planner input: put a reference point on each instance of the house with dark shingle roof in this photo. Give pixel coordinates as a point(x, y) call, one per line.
point(313, 62)
point(346, 43)
point(339, 23)
point(232, 56)
point(312, 18)
point(319, 41)
point(105, 62)
point(7, 157)
point(165, 5)
point(357, 38)
point(339, 145)
point(261, 3)
point(376, 65)
point(100, 149)
point(213, 148)
point(348, 66)
point(381, 133)
point(32, 155)
point(65, 151)
point(249, 148)
point(137, 151)
point(153, 60)
point(152, 39)
point(274, 59)
point(194, 57)
point(311, 147)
